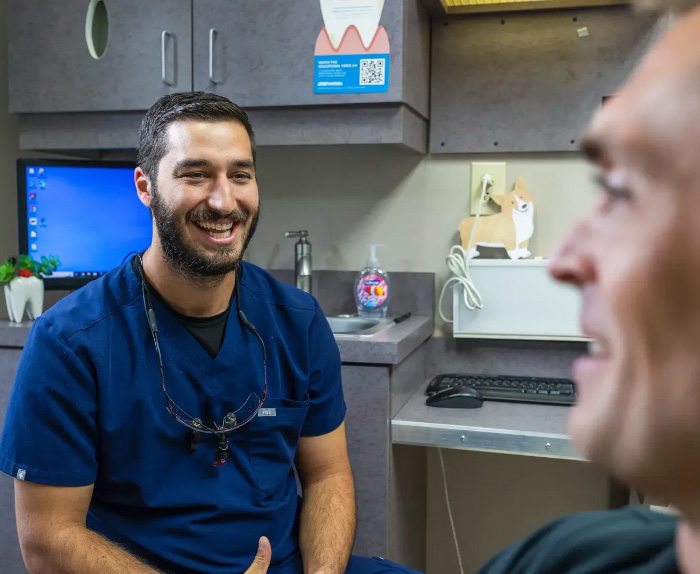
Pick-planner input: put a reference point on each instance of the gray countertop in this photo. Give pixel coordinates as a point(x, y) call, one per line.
point(388, 347)
point(517, 428)
point(14, 334)
point(412, 292)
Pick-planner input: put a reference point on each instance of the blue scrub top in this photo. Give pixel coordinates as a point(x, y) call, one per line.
point(87, 407)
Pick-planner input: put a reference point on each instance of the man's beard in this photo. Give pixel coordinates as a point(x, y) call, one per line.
point(185, 258)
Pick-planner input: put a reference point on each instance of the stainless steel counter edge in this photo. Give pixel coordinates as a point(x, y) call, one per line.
point(506, 427)
point(388, 347)
point(482, 439)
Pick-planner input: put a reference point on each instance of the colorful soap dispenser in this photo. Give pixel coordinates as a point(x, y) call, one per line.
point(372, 291)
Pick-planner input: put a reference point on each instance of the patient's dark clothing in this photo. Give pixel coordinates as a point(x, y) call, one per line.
point(629, 540)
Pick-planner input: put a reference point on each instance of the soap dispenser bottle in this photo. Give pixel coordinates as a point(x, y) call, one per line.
point(372, 290)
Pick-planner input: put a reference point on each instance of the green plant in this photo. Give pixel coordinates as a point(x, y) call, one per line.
point(7, 271)
point(27, 266)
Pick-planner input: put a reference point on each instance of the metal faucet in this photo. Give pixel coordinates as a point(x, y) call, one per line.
point(302, 260)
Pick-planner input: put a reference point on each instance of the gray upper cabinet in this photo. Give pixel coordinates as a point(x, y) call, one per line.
point(261, 53)
point(147, 54)
point(529, 81)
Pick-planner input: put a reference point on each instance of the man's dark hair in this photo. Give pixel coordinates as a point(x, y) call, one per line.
point(200, 106)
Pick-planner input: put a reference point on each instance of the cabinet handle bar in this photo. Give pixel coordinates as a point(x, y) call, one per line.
point(212, 34)
point(163, 76)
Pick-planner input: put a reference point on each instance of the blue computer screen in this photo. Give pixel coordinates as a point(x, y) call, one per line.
point(88, 216)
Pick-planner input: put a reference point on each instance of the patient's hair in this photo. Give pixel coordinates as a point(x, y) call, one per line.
point(202, 106)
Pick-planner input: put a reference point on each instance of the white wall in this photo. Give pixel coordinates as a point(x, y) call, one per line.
point(348, 197)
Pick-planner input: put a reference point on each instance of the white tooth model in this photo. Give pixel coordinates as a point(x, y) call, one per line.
point(339, 15)
point(24, 293)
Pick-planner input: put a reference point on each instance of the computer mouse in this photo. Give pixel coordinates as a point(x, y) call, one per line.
point(458, 397)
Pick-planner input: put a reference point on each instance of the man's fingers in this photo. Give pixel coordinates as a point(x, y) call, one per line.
point(264, 555)
point(262, 558)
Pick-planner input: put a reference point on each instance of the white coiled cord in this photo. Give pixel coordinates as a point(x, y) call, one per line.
point(458, 263)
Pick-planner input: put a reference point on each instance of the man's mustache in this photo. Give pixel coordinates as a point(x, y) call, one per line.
point(212, 216)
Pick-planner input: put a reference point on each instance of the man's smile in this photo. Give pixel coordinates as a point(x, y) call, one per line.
point(217, 230)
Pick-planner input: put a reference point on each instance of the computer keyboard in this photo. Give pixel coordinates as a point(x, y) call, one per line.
point(541, 390)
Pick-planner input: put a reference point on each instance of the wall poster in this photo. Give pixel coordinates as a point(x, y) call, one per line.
point(352, 50)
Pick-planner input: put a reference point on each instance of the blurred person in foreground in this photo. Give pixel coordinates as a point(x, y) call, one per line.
point(635, 257)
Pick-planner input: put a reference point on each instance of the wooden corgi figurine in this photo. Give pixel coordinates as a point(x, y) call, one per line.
point(512, 228)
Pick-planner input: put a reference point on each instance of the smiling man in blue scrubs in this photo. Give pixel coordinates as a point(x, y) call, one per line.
point(159, 413)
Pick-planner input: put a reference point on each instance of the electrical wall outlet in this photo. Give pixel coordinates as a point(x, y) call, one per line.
point(497, 171)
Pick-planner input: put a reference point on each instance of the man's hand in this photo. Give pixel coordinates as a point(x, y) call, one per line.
point(262, 559)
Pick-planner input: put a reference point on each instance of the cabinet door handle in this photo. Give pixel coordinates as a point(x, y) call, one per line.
point(163, 76)
point(212, 34)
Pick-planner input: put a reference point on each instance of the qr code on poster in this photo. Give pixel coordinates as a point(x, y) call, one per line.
point(372, 72)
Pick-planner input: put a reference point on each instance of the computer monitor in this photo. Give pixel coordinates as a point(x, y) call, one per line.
point(86, 213)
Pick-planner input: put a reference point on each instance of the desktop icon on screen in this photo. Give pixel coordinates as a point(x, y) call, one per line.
point(33, 221)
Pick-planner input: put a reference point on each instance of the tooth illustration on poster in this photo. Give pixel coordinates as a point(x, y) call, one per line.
point(352, 50)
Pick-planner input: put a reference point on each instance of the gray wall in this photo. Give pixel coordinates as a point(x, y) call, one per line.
point(8, 154)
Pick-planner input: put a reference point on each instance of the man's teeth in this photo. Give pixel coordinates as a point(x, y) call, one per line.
point(596, 348)
point(216, 226)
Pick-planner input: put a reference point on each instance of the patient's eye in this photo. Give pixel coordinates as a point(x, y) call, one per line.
point(618, 194)
point(614, 193)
